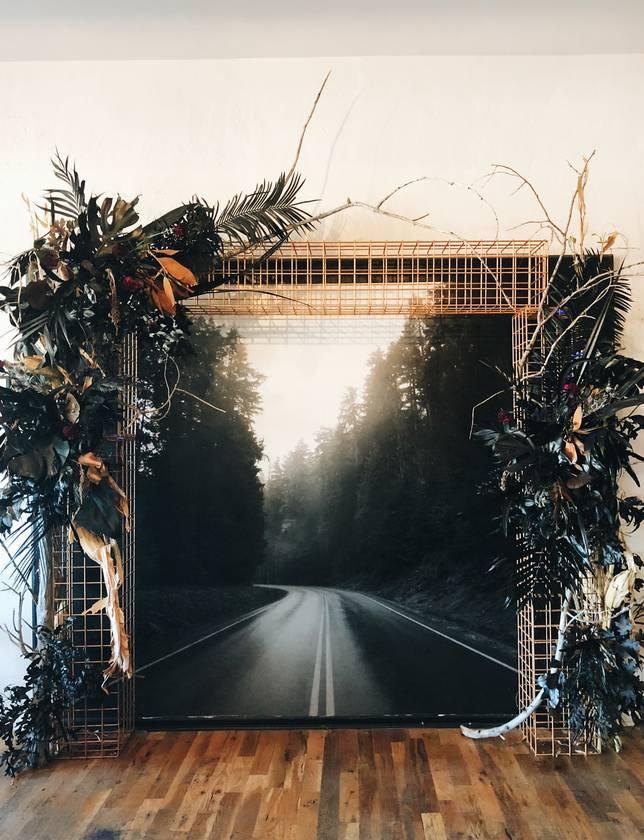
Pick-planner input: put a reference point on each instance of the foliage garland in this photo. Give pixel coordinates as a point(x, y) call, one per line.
point(559, 460)
point(94, 277)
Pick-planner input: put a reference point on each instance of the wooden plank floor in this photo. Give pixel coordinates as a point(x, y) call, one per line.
point(337, 785)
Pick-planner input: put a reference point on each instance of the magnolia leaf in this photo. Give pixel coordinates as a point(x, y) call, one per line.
point(177, 271)
point(619, 589)
point(169, 252)
point(32, 363)
point(72, 408)
point(61, 447)
point(570, 451)
point(577, 418)
point(96, 475)
point(164, 297)
point(88, 459)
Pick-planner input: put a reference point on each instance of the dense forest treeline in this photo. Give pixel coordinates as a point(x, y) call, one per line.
point(390, 493)
point(395, 485)
point(200, 509)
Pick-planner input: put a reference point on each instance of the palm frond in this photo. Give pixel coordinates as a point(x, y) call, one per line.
point(68, 203)
point(267, 213)
point(21, 547)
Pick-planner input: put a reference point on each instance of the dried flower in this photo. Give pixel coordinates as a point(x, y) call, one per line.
point(71, 431)
point(131, 284)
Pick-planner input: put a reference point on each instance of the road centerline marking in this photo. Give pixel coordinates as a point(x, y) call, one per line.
point(314, 705)
point(330, 695)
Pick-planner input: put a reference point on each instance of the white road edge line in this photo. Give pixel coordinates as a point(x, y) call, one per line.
point(314, 705)
point(444, 635)
point(205, 638)
point(330, 696)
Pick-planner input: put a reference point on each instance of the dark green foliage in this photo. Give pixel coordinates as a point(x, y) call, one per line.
point(601, 682)
point(96, 277)
point(70, 202)
point(32, 715)
point(559, 466)
point(560, 461)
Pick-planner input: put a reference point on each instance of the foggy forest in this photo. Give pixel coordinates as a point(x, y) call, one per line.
point(390, 500)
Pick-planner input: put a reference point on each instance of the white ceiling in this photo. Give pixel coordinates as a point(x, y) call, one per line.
point(154, 29)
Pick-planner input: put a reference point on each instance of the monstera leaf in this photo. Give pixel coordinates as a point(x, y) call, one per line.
point(100, 512)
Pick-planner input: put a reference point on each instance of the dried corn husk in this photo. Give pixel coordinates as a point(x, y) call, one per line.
point(106, 553)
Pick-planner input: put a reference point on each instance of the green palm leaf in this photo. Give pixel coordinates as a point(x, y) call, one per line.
point(68, 203)
point(270, 212)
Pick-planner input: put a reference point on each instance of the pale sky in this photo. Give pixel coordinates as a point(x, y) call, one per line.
point(304, 386)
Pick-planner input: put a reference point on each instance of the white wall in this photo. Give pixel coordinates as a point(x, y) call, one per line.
point(152, 29)
point(169, 129)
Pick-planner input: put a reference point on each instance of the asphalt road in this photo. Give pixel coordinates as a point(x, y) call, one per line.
point(325, 652)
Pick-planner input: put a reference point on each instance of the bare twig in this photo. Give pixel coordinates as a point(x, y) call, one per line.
point(483, 402)
point(428, 178)
point(564, 237)
point(305, 127)
point(199, 399)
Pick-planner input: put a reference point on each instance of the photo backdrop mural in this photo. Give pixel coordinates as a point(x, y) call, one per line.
point(316, 523)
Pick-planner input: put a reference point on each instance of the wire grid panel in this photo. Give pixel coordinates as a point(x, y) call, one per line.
point(381, 278)
point(319, 279)
point(538, 627)
point(100, 726)
point(538, 620)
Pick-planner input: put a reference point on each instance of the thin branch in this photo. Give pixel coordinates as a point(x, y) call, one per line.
point(195, 397)
point(564, 233)
point(305, 127)
point(483, 402)
point(467, 187)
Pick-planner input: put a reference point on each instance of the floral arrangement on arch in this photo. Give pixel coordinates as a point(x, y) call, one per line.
point(95, 276)
point(560, 455)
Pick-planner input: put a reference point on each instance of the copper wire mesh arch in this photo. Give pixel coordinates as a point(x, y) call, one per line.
point(325, 279)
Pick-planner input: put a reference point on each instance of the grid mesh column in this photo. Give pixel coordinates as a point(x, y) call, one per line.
point(100, 727)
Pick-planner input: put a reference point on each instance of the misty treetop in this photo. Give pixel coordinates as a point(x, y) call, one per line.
point(394, 485)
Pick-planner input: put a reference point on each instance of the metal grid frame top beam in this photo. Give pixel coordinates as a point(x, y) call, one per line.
point(381, 278)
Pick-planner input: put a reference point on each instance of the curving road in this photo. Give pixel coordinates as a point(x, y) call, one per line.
point(324, 652)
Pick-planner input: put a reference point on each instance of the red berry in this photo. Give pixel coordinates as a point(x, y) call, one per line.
point(132, 283)
point(71, 431)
